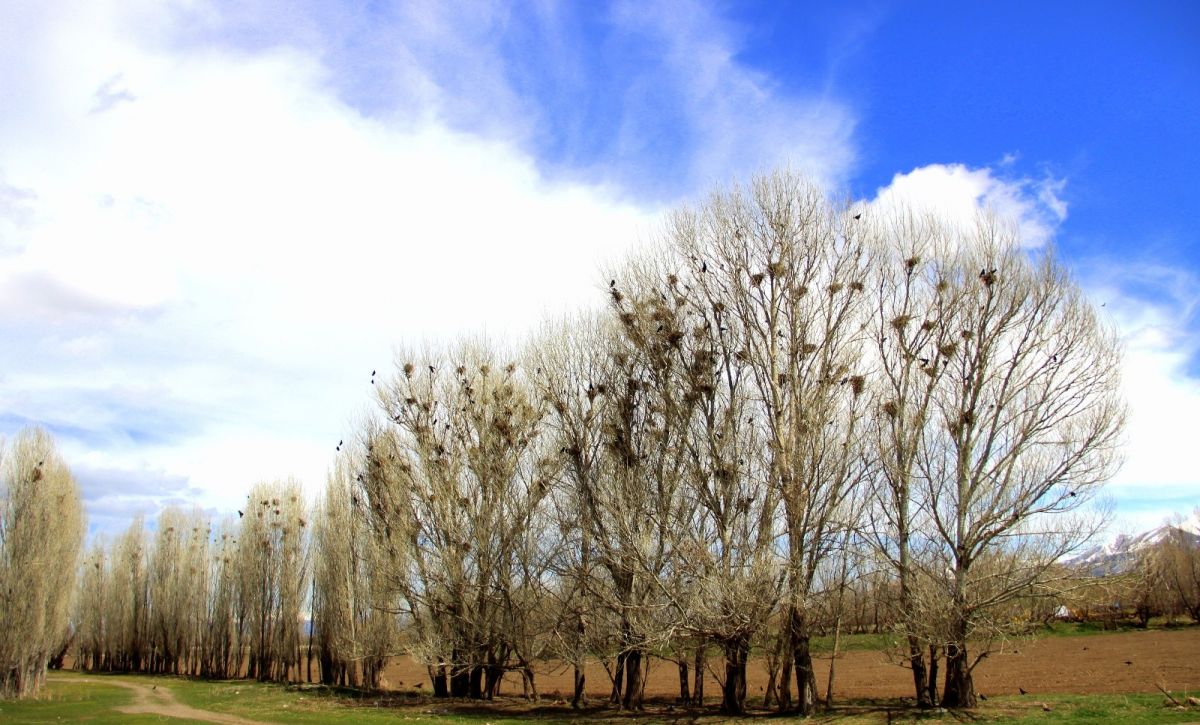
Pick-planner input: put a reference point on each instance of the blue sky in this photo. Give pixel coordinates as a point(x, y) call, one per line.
point(214, 217)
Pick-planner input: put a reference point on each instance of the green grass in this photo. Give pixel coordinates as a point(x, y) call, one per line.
point(95, 702)
point(1132, 709)
point(1081, 629)
point(853, 642)
point(1070, 709)
point(61, 702)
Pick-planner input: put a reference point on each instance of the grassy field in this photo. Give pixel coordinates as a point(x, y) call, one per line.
point(98, 701)
point(1078, 629)
point(74, 702)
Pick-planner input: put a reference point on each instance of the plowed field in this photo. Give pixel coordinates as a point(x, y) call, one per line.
point(1101, 663)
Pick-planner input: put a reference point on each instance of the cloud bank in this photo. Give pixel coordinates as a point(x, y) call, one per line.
point(211, 232)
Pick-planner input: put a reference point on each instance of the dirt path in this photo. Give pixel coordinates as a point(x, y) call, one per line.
point(158, 700)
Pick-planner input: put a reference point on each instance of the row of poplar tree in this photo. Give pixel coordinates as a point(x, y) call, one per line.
point(783, 396)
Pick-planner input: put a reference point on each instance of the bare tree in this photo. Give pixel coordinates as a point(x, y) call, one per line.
point(272, 568)
point(914, 292)
point(569, 358)
point(725, 576)
point(41, 537)
point(335, 579)
point(1176, 562)
point(178, 590)
point(1025, 426)
point(784, 269)
point(453, 486)
point(353, 620)
point(225, 630)
point(638, 509)
point(129, 597)
point(93, 611)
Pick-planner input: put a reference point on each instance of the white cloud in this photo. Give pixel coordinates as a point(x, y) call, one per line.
point(230, 239)
point(958, 192)
point(1159, 477)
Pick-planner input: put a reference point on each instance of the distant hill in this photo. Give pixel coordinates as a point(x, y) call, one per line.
point(1120, 554)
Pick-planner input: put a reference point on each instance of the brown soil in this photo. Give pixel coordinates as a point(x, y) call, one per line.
point(1084, 664)
point(158, 700)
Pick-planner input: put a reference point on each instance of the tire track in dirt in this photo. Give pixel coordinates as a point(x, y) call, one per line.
point(156, 700)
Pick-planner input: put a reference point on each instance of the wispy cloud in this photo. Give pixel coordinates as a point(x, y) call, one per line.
point(732, 119)
point(110, 94)
point(16, 212)
point(649, 98)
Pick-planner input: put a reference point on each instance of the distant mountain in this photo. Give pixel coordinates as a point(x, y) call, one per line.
point(1121, 553)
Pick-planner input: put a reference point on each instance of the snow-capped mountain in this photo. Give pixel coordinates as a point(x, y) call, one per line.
point(1119, 554)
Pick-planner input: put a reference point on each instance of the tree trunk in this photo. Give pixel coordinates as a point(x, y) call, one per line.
point(806, 679)
point(327, 666)
point(308, 677)
point(733, 694)
point(837, 635)
point(493, 675)
point(959, 691)
point(460, 680)
point(698, 681)
point(685, 696)
point(617, 679)
point(476, 680)
point(373, 671)
point(580, 681)
point(916, 656)
point(916, 659)
point(527, 674)
point(437, 678)
point(785, 679)
point(633, 680)
point(933, 673)
point(577, 697)
point(310, 631)
point(777, 672)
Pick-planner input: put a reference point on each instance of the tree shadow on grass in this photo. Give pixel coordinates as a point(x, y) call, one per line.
point(654, 711)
